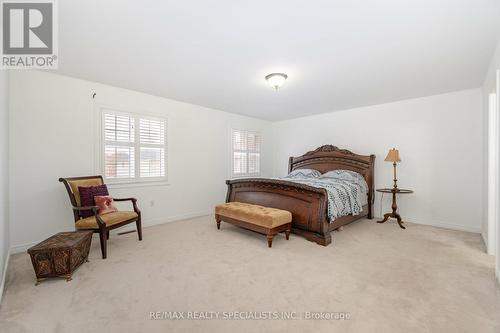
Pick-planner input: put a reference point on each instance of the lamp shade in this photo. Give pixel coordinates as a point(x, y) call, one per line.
point(393, 156)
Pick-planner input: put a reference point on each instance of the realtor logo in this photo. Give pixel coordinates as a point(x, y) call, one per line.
point(29, 34)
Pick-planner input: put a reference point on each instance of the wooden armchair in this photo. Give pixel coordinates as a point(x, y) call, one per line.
point(101, 224)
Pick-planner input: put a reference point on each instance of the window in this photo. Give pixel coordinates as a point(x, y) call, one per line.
point(245, 153)
point(134, 147)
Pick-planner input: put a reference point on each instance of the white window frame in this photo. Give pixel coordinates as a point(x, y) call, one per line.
point(232, 151)
point(137, 180)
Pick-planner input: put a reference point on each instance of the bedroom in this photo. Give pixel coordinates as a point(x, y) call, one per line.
point(361, 76)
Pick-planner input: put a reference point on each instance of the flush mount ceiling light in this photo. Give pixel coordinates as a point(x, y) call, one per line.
point(276, 79)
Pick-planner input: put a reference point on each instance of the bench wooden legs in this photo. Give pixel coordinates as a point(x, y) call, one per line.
point(270, 240)
point(270, 233)
point(217, 219)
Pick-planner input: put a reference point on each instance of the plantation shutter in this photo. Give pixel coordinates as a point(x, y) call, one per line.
point(119, 150)
point(152, 155)
point(134, 147)
point(246, 153)
point(253, 147)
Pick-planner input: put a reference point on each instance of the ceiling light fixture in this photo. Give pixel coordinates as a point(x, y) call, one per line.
point(276, 79)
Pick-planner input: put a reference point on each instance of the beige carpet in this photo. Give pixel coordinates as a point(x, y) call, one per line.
point(422, 279)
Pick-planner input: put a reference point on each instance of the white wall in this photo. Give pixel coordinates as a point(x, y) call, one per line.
point(440, 142)
point(54, 115)
point(489, 86)
point(4, 176)
point(492, 84)
point(440, 139)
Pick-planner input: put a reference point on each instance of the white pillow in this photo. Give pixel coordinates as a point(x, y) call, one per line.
point(304, 173)
point(344, 175)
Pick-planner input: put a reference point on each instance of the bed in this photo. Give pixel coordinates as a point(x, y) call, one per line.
point(308, 204)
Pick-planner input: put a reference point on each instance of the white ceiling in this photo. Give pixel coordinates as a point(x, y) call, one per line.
point(338, 54)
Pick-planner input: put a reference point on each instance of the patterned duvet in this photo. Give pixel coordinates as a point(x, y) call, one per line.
point(346, 195)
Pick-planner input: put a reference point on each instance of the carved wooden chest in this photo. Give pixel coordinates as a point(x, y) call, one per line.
point(61, 254)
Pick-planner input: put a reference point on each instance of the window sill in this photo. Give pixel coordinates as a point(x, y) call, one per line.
point(245, 176)
point(137, 184)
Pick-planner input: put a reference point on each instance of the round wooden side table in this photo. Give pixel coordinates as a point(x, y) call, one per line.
point(394, 213)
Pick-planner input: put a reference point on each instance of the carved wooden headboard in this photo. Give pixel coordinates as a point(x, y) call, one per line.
point(327, 158)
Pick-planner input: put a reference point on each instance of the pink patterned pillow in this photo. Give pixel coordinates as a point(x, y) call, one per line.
point(105, 203)
point(87, 195)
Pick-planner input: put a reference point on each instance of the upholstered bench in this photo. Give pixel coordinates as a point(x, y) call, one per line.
point(264, 220)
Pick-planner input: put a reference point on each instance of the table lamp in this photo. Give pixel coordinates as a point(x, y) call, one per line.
point(393, 156)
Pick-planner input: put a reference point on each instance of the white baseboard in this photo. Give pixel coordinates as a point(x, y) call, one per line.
point(159, 221)
point(445, 225)
point(4, 276)
point(489, 251)
point(485, 239)
point(145, 223)
point(22, 247)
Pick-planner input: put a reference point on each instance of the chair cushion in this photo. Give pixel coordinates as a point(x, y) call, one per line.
point(87, 195)
point(74, 184)
point(110, 219)
point(254, 214)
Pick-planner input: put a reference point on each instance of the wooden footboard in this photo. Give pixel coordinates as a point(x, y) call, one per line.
point(307, 204)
